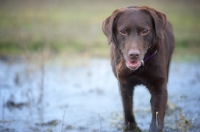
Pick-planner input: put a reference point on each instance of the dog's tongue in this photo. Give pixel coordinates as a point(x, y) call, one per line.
point(133, 65)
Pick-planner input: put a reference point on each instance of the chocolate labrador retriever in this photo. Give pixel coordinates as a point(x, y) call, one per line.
point(142, 44)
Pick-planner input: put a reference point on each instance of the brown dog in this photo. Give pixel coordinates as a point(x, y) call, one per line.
point(142, 44)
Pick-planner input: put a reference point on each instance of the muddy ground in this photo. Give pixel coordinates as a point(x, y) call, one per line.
point(85, 97)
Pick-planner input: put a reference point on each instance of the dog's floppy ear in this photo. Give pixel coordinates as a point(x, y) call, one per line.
point(159, 20)
point(107, 25)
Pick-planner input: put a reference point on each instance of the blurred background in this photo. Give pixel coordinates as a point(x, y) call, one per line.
point(54, 58)
point(74, 27)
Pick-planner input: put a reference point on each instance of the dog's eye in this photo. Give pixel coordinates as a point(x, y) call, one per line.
point(123, 32)
point(145, 31)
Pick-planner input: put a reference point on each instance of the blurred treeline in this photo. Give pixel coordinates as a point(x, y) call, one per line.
point(74, 26)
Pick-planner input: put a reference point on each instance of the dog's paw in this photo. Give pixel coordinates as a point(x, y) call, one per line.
point(131, 128)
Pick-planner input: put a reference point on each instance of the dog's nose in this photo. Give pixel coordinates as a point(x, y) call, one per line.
point(133, 54)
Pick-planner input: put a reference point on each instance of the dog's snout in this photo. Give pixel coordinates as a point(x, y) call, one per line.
point(133, 54)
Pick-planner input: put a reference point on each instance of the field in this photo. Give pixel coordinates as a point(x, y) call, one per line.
point(74, 27)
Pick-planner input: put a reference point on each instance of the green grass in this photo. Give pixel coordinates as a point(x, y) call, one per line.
point(74, 27)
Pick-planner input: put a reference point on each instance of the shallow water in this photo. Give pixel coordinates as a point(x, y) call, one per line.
point(86, 98)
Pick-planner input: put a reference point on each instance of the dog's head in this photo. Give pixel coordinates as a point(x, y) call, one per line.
point(134, 30)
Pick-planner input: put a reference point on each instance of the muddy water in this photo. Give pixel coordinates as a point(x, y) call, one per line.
point(86, 98)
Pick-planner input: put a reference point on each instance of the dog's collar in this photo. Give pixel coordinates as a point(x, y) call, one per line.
point(147, 58)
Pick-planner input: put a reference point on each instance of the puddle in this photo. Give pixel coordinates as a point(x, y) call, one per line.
point(86, 98)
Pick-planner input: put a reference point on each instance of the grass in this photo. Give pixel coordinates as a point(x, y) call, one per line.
point(74, 27)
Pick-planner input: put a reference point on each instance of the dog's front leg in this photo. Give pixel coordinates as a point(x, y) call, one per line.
point(127, 96)
point(158, 106)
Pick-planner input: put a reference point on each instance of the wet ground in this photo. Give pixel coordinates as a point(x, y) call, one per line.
point(61, 98)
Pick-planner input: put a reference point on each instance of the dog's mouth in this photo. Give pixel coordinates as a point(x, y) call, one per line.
point(133, 65)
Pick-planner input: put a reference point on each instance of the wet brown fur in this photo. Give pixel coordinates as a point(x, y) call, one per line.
point(154, 75)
